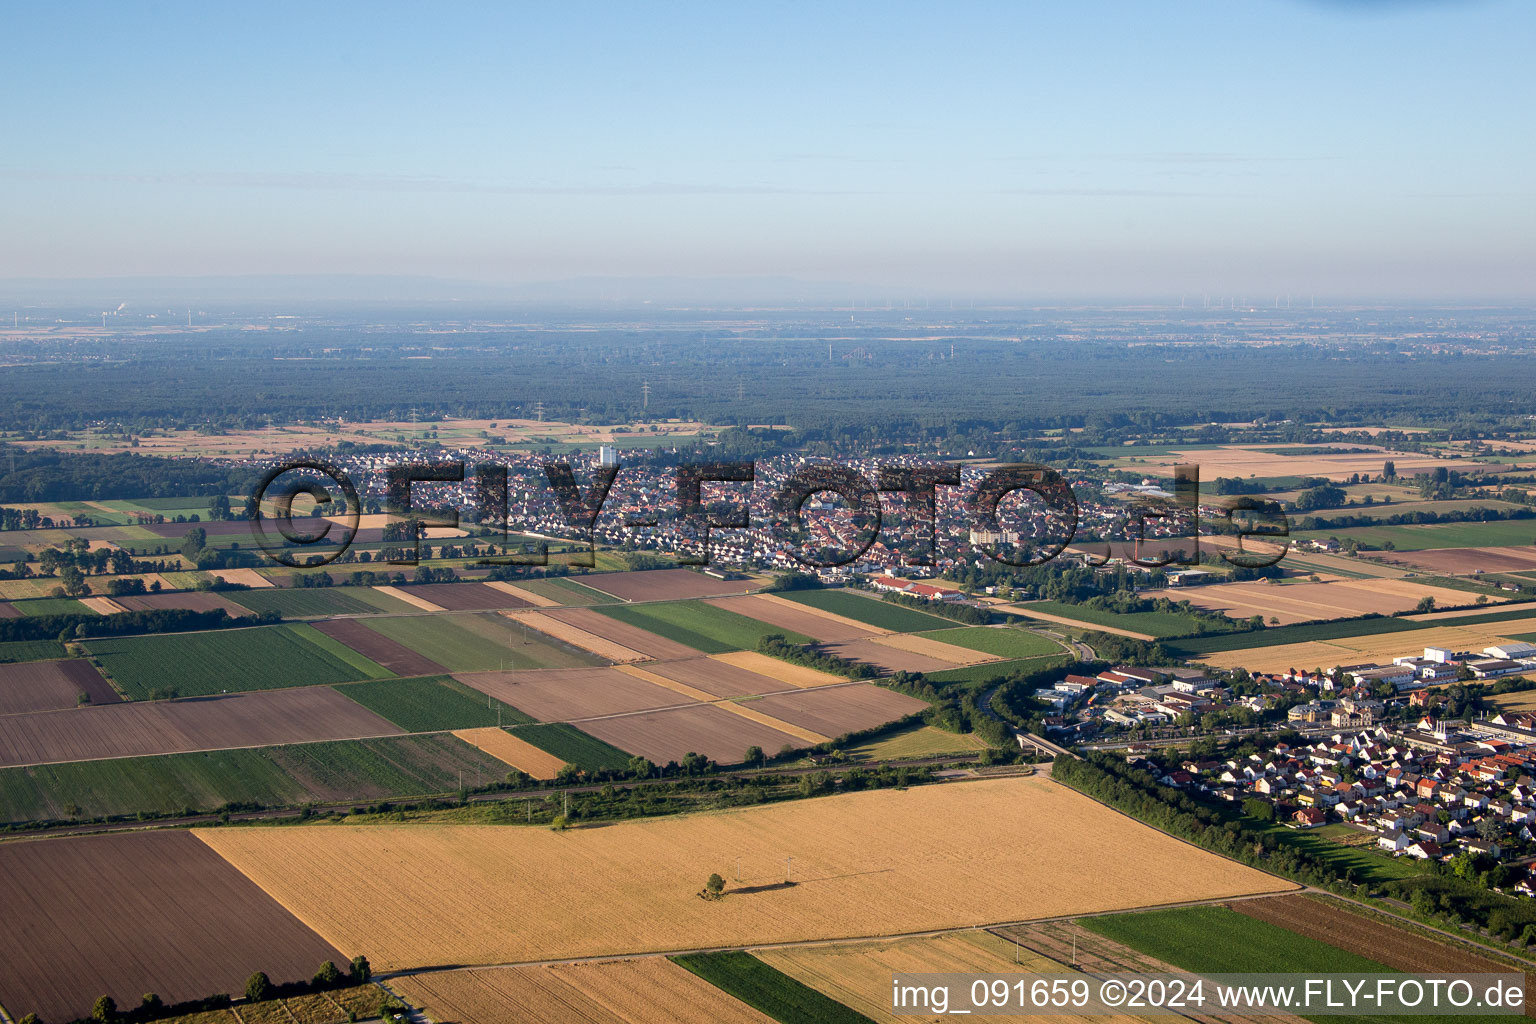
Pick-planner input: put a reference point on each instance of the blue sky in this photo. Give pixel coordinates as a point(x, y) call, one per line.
point(1097, 148)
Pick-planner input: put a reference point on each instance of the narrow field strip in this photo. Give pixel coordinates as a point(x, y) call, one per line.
point(410, 599)
point(520, 754)
point(692, 693)
point(935, 649)
point(577, 637)
point(776, 668)
point(537, 600)
point(868, 629)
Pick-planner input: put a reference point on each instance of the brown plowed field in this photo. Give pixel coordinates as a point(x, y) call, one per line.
point(192, 600)
point(199, 723)
point(665, 585)
point(567, 694)
point(795, 618)
point(838, 709)
point(887, 659)
point(622, 633)
point(1456, 561)
point(139, 912)
point(576, 637)
point(649, 991)
point(8, 611)
point(1370, 937)
point(51, 686)
point(465, 597)
point(392, 654)
point(704, 729)
point(717, 678)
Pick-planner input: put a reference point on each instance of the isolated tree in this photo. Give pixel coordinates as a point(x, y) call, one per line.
point(150, 1004)
point(218, 508)
point(328, 974)
point(105, 1009)
point(754, 755)
point(715, 884)
point(361, 971)
point(258, 987)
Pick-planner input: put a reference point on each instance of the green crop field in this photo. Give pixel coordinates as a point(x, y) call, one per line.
point(567, 591)
point(1215, 940)
point(198, 664)
point(476, 642)
point(51, 606)
point(883, 614)
point(432, 704)
point(990, 670)
point(310, 602)
point(1003, 641)
point(365, 667)
point(336, 771)
point(31, 650)
point(1499, 533)
point(573, 746)
point(768, 989)
point(1150, 623)
point(699, 625)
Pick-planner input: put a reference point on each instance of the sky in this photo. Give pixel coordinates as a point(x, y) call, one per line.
point(1099, 148)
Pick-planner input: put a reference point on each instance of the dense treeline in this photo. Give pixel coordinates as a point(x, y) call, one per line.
point(161, 620)
point(39, 474)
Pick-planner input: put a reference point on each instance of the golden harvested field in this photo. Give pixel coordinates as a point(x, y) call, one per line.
point(577, 637)
point(935, 649)
point(649, 991)
point(520, 754)
point(102, 605)
point(859, 974)
point(865, 864)
point(1238, 461)
point(776, 668)
point(1525, 701)
point(1382, 647)
point(1304, 602)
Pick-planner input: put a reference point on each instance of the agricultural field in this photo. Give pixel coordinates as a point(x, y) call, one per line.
point(573, 746)
point(835, 710)
point(990, 670)
point(566, 591)
point(885, 615)
point(916, 741)
point(715, 678)
point(139, 728)
point(604, 636)
point(1372, 646)
point(557, 695)
point(1151, 624)
point(50, 606)
point(192, 600)
point(466, 642)
point(188, 924)
point(886, 658)
point(30, 650)
point(50, 686)
point(698, 625)
point(1457, 561)
point(432, 704)
point(390, 655)
point(648, 991)
point(665, 585)
point(1422, 536)
point(708, 729)
point(763, 987)
point(786, 672)
point(1306, 602)
point(281, 776)
point(462, 597)
point(1003, 641)
point(794, 618)
point(318, 602)
point(915, 643)
point(518, 753)
point(218, 661)
point(1266, 462)
point(1013, 860)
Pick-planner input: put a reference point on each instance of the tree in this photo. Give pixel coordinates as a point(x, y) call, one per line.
point(1426, 604)
point(754, 755)
point(105, 1009)
point(218, 508)
point(361, 971)
point(715, 884)
point(258, 987)
point(150, 1004)
point(73, 581)
point(31, 1018)
point(641, 768)
point(328, 974)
